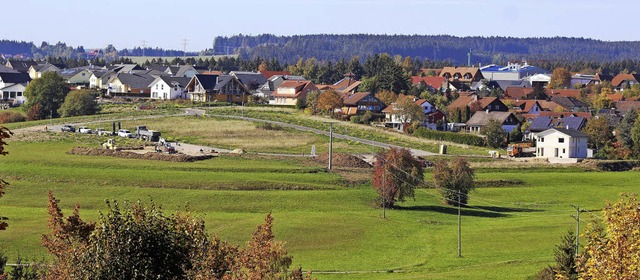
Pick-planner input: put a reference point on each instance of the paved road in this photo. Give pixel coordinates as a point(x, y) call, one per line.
point(415, 152)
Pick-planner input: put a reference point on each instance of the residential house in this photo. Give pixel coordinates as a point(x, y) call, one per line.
point(185, 71)
point(507, 120)
point(561, 143)
point(542, 123)
point(582, 80)
point(272, 84)
point(395, 119)
point(601, 78)
point(560, 115)
point(575, 93)
point(624, 81)
point(465, 75)
point(360, 102)
point(130, 83)
point(431, 83)
point(511, 72)
point(124, 68)
point(99, 79)
point(12, 87)
point(251, 80)
point(528, 107)
point(21, 66)
point(268, 74)
point(625, 106)
point(166, 87)
point(290, 92)
point(220, 88)
point(570, 103)
point(348, 84)
point(36, 71)
point(477, 104)
point(518, 93)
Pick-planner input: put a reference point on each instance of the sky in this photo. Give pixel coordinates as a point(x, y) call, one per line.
point(167, 23)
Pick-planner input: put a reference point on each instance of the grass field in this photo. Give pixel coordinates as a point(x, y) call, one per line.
point(329, 224)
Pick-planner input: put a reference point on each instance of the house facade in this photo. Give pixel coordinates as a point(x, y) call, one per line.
point(12, 87)
point(290, 92)
point(169, 88)
point(220, 88)
point(561, 143)
point(360, 102)
point(507, 120)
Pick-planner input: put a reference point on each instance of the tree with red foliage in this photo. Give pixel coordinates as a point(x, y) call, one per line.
point(396, 174)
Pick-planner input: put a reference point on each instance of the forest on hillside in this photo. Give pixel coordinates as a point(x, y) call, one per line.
point(484, 50)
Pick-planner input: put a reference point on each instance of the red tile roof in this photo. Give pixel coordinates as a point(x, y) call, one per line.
point(618, 79)
point(434, 82)
point(518, 92)
point(298, 85)
point(575, 93)
point(269, 74)
point(352, 99)
point(461, 102)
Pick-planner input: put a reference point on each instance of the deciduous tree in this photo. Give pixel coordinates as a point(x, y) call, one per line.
point(396, 174)
point(408, 111)
point(454, 180)
point(387, 97)
point(613, 245)
point(560, 78)
point(329, 101)
point(496, 136)
point(79, 103)
point(48, 92)
point(599, 132)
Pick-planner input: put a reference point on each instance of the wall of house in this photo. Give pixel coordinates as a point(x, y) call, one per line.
point(284, 101)
point(161, 91)
point(81, 78)
point(549, 146)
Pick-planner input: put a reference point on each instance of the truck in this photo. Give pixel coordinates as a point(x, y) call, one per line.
point(148, 135)
point(520, 149)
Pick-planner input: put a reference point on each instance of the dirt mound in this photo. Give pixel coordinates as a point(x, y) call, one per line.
point(150, 156)
point(343, 160)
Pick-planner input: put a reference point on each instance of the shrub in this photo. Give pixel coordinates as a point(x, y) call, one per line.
point(356, 119)
point(11, 117)
point(460, 138)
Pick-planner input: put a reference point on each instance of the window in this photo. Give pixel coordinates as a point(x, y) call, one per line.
point(541, 139)
point(560, 140)
point(563, 151)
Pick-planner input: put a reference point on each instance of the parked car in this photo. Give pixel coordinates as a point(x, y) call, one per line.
point(125, 133)
point(68, 128)
point(85, 130)
point(103, 132)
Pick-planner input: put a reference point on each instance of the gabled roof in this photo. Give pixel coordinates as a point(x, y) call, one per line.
point(14, 78)
point(482, 117)
point(568, 132)
point(558, 115)
point(249, 78)
point(298, 86)
point(352, 87)
point(618, 79)
point(484, 102)
point(431, 81)
point(575, 93)
point(540, 123)
point(135, 80)
point(571, 122)
point(568, 102)
point(180, 81)
point(4, 69)
point(626, 106)
point(526, 105)
point(344, 83)
point(603, 77)
point(269, 74)
point(208, 82)
point(124, 68)
point(518, 92)
point(461, 102)
point(504, 84)
point(21, 66)
point(354, 98)
point(452, 72)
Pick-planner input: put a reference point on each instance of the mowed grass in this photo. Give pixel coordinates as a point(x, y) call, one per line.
point(330, 228)
point(234, 134)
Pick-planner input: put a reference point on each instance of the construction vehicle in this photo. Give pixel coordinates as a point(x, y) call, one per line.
point(110, 145)
point(163, 147)
point(148, 135)
point(520, 149)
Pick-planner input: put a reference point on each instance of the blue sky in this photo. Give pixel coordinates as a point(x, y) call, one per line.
point(165, 23)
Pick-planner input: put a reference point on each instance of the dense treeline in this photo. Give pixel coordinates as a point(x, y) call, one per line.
point(434, 47)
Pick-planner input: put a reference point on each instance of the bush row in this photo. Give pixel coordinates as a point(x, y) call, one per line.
point(460, 138)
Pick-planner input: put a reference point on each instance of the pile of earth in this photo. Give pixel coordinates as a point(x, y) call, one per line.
point(124, 154)
point(343, 160)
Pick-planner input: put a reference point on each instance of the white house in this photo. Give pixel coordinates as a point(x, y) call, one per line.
point(12, 87)
point(561, 143)
point(165, 87)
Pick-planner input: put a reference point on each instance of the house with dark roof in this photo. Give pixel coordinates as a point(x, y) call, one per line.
point(561, 143)
point(529, 107)
point(291, 91)
point(124, 83)
point(167, 87)
point(570, 103)
point(395, 119)
point(220, 88)
point(21, 66)
point(185, 71)
point(507, 120)
point(272, 83)
point(251, 80)
point(36, 71)
point(601, 78)
point(360, 102)
point(12, 87)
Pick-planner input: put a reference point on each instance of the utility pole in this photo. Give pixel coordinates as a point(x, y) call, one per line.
point(330, 144)
point(144, 46)
point(184, 46)
point(459, 229)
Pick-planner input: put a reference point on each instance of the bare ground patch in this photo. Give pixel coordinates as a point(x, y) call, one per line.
point(151, 155)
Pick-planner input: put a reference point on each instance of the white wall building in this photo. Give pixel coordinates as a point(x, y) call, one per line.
point(561, 143)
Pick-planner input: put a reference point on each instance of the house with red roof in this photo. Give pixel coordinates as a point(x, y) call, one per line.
point(291, 91)
point(269, 74)
point(624, 81)
point(432, 83)
point(395, 119)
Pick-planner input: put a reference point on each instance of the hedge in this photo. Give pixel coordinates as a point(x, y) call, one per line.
point(455, 137)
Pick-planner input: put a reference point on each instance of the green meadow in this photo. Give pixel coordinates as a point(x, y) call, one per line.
point(327, 219)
